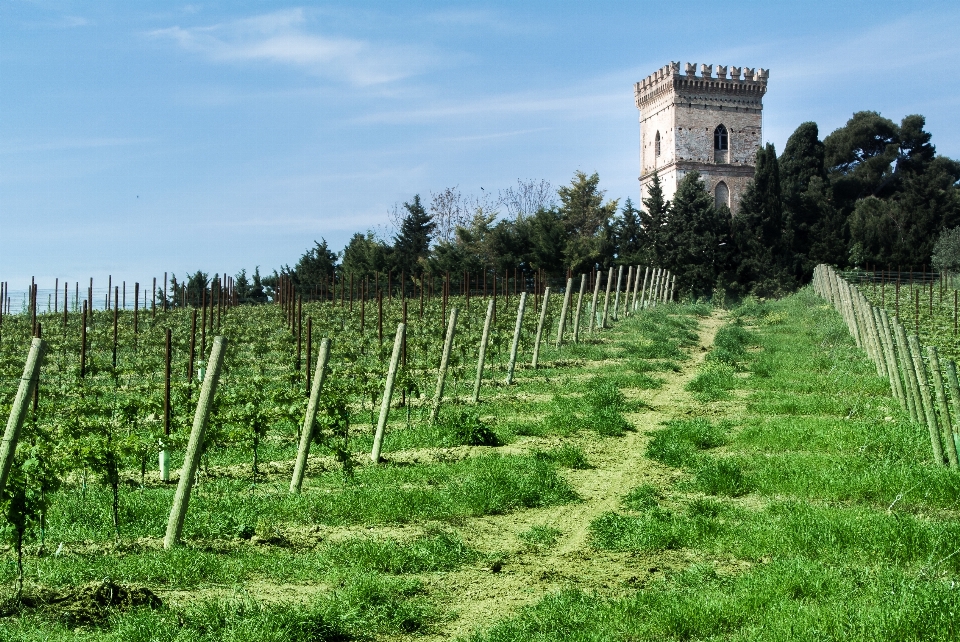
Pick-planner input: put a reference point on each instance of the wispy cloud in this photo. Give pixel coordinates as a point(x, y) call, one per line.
point(495, 135)
point(486, 21)
point(283, 37)
point(578, 105)
point(917, 42)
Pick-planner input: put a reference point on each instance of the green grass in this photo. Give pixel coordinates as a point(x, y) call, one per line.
point(818, 484)
point(678, 443)
point(790, 599)
point(565, 456)
point(540, 536)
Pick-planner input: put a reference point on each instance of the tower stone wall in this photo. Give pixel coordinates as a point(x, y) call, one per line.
point(706, 123)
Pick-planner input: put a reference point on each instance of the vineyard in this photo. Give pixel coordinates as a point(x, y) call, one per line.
point(118, 387)
point(665, 470)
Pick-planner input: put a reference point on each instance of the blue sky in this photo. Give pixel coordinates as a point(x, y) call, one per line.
point(139, 137)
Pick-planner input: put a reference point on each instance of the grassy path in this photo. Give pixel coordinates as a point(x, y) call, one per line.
point(480, 597)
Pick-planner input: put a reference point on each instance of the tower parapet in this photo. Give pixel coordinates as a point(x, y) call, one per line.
point(746, 83)
point(707, 119)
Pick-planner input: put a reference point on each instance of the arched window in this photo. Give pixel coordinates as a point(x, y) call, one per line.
point(722, 195)
point(720, 138)
point(656, 145)
point(720, 144)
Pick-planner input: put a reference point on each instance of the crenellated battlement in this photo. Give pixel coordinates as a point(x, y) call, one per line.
point(734, 81)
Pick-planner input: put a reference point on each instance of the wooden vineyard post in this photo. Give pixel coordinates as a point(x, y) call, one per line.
point(543, 319)
point(194, 447)
point(28, 384)
point(926, 401)
point(83, 342)
point(484, 339)
point(606, 299)
point(363, 305)
point(648, 300)
point(563, 311)
point(516, 338)
point(946, 431)
point(636, 282)
point(873, 337)
point(576, 314)
point(193, 346)
point(309, 350)
point(444, 364)
point(616, 295)
point(909, 376)
point(387, 394)
point(164, 453)
point(593, 305)
point(892, 370)
point(955, 395)
point(306, 433)
point(626, 292)
point(299, 321)
point(673, 285)
point(116, 319)
point(136, 308)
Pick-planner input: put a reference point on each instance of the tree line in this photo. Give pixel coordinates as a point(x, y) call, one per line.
point(872, 194)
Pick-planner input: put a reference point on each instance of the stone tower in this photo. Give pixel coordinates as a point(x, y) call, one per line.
point(711, 124)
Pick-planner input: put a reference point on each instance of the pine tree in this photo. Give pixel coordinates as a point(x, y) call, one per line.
point(241, 286)
point(412, 242)
point(627, 240)
point(584, 215)
point(315, 266)
point(653, 219)
point(696, 238)
point(258, 293)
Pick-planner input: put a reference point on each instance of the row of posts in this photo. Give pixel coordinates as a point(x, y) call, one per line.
point(921, 388)
point(658, 287)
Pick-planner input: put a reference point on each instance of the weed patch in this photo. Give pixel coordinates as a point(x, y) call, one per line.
point(678, 443)
point(565, 456)
point(540, 536)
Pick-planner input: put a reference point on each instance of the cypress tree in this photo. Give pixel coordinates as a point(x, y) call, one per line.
point(816, 230)
point(762, 253)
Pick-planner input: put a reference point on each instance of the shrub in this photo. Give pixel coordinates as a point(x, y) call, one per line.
point(464, 428)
